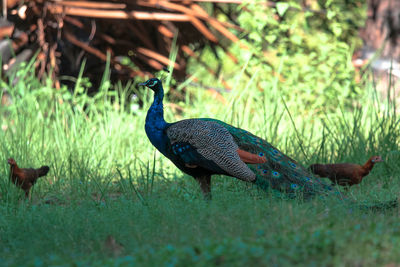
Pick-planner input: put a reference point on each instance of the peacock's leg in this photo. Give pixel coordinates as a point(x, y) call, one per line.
point(205, 185)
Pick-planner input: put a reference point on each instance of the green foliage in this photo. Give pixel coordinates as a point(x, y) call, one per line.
point(307, 50)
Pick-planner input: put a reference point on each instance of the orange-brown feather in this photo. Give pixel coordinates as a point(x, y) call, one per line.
point(250, 158)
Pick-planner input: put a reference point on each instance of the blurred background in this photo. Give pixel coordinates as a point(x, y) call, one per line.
point(326, 44)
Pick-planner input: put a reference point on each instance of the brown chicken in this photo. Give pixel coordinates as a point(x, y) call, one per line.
point(345, 174)
point(25, 178)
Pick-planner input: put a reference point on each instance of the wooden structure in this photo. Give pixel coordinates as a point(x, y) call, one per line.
point(137, 36)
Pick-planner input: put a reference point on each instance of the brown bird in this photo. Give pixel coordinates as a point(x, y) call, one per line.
point(345, 174)
point(25, 178)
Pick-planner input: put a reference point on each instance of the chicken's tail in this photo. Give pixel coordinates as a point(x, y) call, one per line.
point(42, 171)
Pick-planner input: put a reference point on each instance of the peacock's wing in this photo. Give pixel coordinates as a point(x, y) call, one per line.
point(279, 172)
point(209, 145)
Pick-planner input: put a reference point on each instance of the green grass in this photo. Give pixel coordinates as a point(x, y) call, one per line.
point(106, 179)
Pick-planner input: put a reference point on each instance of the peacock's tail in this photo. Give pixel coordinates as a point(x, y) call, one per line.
point(279, 172)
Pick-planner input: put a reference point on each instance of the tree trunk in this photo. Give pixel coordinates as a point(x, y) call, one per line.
point(382, 28)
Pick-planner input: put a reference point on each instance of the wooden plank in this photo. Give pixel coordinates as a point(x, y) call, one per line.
point(165, 31)
point(213, 1)
point(218, 26)
point(192, 15)
point(96, 5)
point(186, 10)
point(193, 12)
point(116, 14)
point(151, 62)
point(158, 57)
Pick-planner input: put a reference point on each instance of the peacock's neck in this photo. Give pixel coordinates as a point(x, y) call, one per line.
point(155, 115)
point(155, 123)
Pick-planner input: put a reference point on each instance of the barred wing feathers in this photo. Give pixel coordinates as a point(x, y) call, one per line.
point(194, 140)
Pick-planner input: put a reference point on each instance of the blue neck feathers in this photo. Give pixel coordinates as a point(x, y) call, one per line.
point(155, 123)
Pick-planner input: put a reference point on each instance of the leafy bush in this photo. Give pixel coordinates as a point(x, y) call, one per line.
point(307, 50)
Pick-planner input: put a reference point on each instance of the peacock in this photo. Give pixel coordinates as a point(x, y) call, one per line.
point(203, 147)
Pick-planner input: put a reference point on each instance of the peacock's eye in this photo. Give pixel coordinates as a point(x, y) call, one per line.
point(153, 83)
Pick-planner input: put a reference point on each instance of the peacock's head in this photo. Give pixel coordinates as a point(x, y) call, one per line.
point(375, 159)
point(153, 83)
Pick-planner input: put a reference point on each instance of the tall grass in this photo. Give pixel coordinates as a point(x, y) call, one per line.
point(106, 179)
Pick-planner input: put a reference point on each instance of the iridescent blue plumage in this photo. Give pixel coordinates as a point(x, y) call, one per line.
point(155, 123)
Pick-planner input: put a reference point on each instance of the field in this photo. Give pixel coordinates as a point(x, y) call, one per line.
point(107, 183)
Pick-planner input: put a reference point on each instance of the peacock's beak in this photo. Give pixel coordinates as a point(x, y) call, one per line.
point(144, 84)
